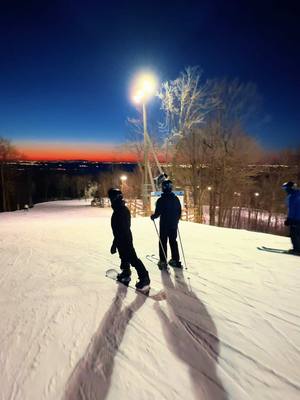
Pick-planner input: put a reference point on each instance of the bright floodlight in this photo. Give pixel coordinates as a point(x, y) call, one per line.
point(123, 178)
point(144, 87)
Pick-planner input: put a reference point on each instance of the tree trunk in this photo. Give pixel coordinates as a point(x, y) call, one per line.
point(238, 222)
point(3, 187)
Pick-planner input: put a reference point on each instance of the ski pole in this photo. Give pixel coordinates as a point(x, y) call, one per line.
point(182, 248)
point(160, 242)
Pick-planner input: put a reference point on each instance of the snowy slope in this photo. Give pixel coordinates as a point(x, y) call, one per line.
point(228, 329)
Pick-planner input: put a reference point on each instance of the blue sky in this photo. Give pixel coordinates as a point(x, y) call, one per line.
point(66, 65)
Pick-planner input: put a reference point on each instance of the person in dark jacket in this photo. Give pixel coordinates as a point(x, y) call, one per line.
point(123, 242)
point(293, 217)
point(168, 208)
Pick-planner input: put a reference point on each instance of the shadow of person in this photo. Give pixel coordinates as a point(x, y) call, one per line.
point(91, 377)
point(192, 336)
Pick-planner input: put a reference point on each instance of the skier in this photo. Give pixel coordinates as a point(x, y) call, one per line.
point(168, 208)
point(293, 217)
point(120, 223)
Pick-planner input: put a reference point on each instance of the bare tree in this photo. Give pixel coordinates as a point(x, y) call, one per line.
point(228, 149)
point(186, 102)
point(228, 157)
point(188, 167)
point(7, 153)
point(135, 139)
point(135, 145)
point(211, 149)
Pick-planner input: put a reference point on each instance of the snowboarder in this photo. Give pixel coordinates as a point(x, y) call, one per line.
point(168, 208)
point(120, 223)
point(293, 217)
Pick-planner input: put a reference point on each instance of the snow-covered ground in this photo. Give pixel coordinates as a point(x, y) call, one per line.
point(229, 327)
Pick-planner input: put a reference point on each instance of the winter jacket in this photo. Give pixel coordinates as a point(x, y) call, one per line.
point(120, 224)
point(293, 202)
point(168, 208)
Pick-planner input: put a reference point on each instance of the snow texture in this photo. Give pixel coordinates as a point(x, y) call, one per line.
point(229, 327)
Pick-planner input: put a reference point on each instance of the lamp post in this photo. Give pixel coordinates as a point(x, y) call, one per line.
point(211, 211)
point(146, 162)
point(143, 89)
point(256, 194)
point(123, 179)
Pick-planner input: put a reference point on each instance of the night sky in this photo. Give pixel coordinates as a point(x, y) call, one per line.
point(66, 66)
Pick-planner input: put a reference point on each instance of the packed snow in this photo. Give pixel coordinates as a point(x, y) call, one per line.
point(228, 327)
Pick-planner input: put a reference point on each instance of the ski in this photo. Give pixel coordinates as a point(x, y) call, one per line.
point(150, 293)
point(152, 258)
point(274, 250)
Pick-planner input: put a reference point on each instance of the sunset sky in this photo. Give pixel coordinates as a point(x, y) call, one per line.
point(67, 150)
point(66, 66)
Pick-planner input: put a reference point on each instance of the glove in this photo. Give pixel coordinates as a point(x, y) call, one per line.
point(287, 222)
point(113, 249)
point(152, 217)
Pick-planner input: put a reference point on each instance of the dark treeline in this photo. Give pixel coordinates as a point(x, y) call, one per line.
point(29, 185)
point(24, 183)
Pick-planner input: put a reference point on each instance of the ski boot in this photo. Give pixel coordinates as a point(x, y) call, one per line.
point(175, 264)
point(293, 251)
point(162, 265)
point(143, 284)
point(124, 277)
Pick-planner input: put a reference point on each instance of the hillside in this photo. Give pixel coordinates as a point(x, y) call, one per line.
point(229, 327)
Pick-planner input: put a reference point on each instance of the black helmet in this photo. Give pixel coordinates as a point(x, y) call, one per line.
point(289, 186)
point(114, 194)
point(161, 178)
point(167, 186)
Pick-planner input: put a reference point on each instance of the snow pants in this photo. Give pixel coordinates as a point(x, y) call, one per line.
point(129, 257)
point(166, 233)
point(295, 237)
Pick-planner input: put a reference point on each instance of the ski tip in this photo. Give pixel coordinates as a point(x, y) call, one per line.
point(160, 296)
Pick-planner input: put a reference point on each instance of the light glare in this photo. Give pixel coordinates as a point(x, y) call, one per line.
point(144, 87)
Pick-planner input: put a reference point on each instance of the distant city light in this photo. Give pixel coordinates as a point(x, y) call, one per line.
point(256, 194)
point(209, 187)
point(123, 178)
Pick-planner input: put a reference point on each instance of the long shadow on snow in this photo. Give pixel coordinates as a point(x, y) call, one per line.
point(192, 335)
point(91, 377)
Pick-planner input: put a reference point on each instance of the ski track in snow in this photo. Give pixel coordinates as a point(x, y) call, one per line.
point(228, 329)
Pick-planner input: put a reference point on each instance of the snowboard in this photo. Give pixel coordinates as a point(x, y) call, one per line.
point(150, 293)
point(273, 250)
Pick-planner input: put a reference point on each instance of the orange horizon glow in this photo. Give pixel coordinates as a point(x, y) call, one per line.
point(88, 151)
point(49, 151)
point(44, 155)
